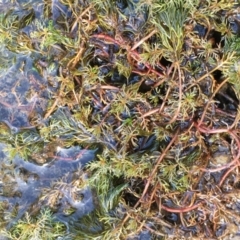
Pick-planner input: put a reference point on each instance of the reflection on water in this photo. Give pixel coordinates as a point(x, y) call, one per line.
point(23, 94)
point(53, 175)
point(26, 186)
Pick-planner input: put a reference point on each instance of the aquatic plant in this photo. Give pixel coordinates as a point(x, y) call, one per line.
point(42, 227)
point(152, 87)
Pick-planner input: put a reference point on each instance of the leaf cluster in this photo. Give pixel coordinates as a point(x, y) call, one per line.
point(147, 91)
point(43, 227)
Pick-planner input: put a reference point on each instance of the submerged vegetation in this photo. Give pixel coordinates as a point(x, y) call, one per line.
point(119, 119)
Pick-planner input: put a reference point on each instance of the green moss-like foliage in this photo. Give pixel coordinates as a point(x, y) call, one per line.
point(154, 86)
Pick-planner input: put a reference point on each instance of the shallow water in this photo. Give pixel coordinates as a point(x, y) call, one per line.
point(23, 185)
point(51, 175)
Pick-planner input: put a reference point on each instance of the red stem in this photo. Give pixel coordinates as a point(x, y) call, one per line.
point(182, 209)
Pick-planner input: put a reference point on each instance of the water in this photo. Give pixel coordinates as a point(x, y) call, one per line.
point(26, 186)
point(43, 173)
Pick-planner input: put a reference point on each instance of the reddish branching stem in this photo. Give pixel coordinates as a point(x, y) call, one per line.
point(181, 209)
point(133, 54)
point(235, 162)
